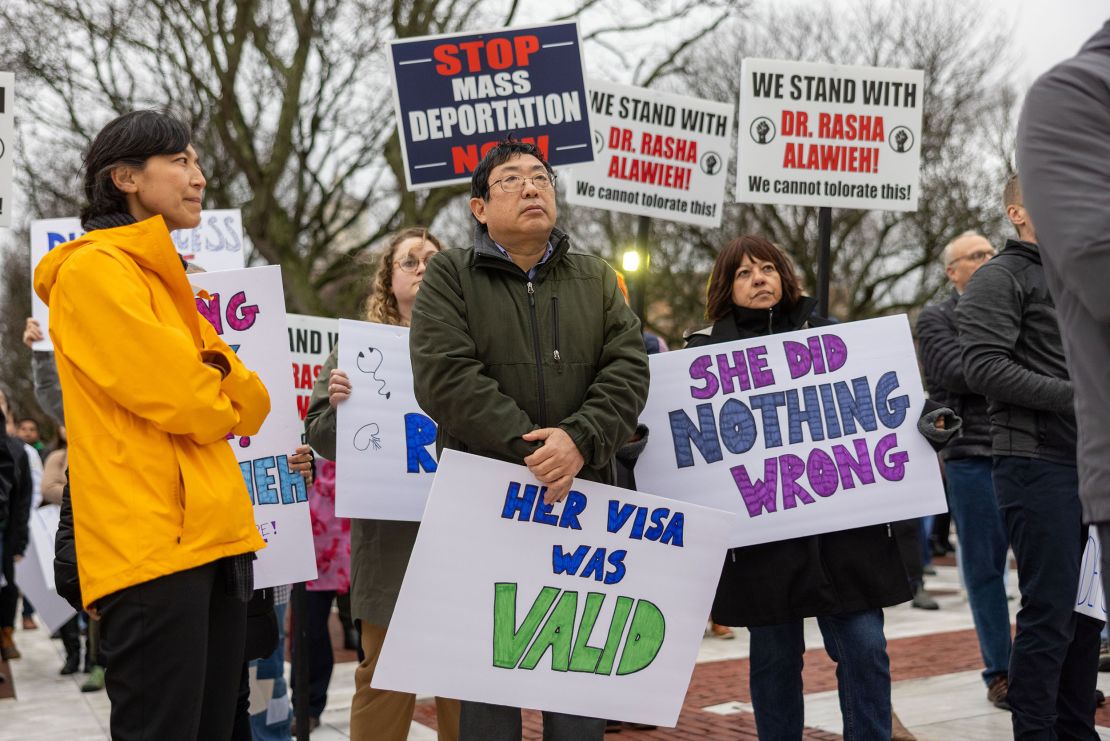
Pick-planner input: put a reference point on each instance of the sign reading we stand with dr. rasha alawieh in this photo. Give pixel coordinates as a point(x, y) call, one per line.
point(658, 154)
point(457, 95)
point(829, 135)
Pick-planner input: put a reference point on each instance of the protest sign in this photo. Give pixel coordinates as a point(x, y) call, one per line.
point(656, 154)
point(7, 146)
point(247, 309)
point(798, 433)
point(457, 95)
point(829, 135)
point(35, 573)
point(216, 244)
point(311, 339)
point(385, 445)
point(1091, 600)
point(596, 606)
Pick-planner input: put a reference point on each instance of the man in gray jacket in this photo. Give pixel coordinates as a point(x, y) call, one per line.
point(1063, 148)
point(1012, 355)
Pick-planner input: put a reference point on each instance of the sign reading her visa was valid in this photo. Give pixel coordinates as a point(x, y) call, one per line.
point(829, 135)
point(385, 445)
point(799, 433)
point(595, 605)
point(247, 309)
point(656, 154)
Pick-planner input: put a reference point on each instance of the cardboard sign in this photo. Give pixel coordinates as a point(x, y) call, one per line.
point(216, 244)
point(657, 154)
point(595, 606)
point(829, 135)
point(35, 573)
point(311, 339)
point(7, 146)
point(457, 95)
point(385, 445)
point(798, 433)
point(1090, 599)
point(247, 309)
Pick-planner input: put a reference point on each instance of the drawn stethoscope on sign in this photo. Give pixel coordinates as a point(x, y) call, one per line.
point(367, 435)
point(369, 362)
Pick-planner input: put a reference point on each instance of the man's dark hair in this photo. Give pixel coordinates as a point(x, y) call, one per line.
point(505, 150)
point(131, 139)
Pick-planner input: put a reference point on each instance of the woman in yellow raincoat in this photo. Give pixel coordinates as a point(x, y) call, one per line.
point(162, 521)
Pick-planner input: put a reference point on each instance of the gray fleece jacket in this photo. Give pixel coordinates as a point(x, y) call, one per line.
point(1012, 354)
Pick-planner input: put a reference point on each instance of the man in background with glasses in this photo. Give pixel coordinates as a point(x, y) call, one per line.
point(526, 352)
point(967, 466)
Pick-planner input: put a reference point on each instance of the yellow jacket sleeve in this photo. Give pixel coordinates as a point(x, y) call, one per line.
point(243, 387)
point(103, 321)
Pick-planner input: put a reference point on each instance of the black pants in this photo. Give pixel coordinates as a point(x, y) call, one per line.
point(174, 650)
point(1054, 661)
point(9, 593)
point(321, 659)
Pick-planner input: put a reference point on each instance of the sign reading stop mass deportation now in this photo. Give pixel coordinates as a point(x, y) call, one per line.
point(456, 96)
point(215, 244)
point(593, 606)
point(247, 309)
point(658, 155)
point(829, 135)
point(799, 433)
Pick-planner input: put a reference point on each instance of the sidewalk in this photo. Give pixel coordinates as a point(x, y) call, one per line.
point(935, 664)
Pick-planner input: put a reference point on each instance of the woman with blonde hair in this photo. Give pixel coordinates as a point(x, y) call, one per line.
point(380, 549)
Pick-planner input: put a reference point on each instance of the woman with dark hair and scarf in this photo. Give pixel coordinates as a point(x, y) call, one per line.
point(844, 579)
point(163, 525)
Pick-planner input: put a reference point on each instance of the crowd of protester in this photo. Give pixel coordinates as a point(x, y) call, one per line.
point(180, 639)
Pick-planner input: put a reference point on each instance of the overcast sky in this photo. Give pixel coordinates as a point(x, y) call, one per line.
point(1049, 32)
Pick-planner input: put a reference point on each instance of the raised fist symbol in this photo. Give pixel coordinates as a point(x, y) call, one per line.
point(762, 129)
point(900, 139)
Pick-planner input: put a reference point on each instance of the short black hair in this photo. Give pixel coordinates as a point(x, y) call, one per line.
point(27, 419)
point(130, 139)
point(505, 150)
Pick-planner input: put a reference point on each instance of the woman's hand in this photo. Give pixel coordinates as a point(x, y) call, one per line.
point(339, 387)
point(301, 462)
point(32, 332)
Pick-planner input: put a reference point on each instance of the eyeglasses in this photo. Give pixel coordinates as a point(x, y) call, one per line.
point(409, 263)
point(976, 256)
point(515, 183)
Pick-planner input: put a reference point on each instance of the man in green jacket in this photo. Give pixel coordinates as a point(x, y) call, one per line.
point(526, 352)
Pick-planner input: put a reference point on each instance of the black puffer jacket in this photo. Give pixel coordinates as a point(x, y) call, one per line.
point(17, 530)
point(772, 583)
point(7, 479)
point(938, 339)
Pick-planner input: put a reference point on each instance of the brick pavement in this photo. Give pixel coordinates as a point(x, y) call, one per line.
point(718, 682)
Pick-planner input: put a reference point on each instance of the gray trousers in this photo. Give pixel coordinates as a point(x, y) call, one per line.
point(481, 721)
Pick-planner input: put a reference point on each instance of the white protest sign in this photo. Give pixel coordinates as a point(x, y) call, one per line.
point(799, 433)
point(829, 135)
point(657, 154)
point(7, 146)
point(311, 339)
point(385, 445)
point(1091, 600)
point(35, 573)
point(247, 309)
point(216, 244)
point(595, 606)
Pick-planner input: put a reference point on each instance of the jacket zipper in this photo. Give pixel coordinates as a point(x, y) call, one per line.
point(771, 320)
point(555, 324)
point(539, 355)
